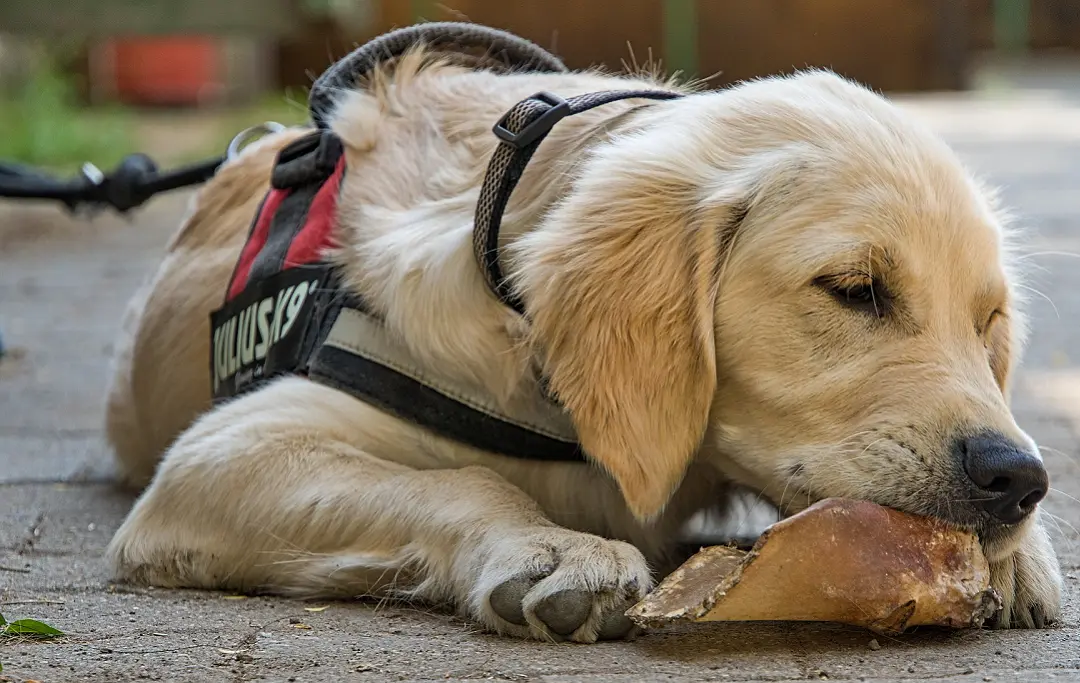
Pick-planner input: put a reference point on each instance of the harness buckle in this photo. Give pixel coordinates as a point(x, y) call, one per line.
point(310, 158)
point(537, 128)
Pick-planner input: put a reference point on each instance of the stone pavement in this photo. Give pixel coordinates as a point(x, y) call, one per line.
point(63, 286)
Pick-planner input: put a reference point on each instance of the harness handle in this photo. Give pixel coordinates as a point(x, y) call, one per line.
point(500, 48)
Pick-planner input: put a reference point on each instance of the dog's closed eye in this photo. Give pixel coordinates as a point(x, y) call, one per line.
point(993, 318)
point(858, 292)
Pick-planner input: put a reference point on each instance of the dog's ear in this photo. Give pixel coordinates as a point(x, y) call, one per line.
point(620, 286)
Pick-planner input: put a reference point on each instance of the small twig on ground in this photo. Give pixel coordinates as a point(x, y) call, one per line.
point(155, 652)
point(33, 602)
point(21, 570)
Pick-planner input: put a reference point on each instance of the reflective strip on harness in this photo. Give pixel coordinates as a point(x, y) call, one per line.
point(360, 356)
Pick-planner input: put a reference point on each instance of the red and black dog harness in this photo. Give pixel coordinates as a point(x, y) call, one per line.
point(284, 297)
point(269, 323)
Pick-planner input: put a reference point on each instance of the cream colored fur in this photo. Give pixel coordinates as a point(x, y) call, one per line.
point(667, 254)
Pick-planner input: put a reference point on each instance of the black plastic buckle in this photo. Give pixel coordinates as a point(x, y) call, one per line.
point(537, 128)
point(310, 158)
point(325, 144)
point(330, 150)
point(299, 147)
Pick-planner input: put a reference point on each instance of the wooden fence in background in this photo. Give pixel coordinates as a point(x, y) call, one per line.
point(892, 45)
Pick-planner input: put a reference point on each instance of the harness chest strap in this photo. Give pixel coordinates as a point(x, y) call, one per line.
point(361, 357)
point(286, 313)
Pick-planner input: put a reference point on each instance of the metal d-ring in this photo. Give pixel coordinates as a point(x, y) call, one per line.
point(249, 134)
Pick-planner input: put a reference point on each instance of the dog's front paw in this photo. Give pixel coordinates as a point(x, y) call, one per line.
point(557, 584)
point(1029, 581)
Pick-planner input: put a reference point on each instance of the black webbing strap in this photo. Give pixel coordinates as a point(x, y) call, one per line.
point(397, 393)
point(521, 131)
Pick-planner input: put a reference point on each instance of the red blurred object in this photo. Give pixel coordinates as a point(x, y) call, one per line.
point(166, 70)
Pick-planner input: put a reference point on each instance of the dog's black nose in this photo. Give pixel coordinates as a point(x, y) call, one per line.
point(1011, 480)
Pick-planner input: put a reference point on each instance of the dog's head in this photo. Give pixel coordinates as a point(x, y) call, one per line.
point(794, 280)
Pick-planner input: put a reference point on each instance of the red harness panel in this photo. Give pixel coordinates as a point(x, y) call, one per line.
point(255, 242)
point(316, 235)
point(309, 243)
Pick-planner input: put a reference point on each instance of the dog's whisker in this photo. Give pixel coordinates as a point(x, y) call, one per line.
point(293, 560)
point(1063, 537)
point(1068, 456)
point(869, 446)
point(749, 511)
point(1054, 519)
point(780, 505)
point(1034, 254)
point(1066, 495)
point(1044, 296)
point(1058, 521)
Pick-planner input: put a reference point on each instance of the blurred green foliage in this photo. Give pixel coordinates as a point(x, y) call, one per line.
point(42, 124)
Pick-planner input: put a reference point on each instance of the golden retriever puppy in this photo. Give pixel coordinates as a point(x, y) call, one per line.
point(786, 285)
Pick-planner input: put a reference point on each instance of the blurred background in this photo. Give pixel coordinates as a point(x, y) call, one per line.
point(96, 79)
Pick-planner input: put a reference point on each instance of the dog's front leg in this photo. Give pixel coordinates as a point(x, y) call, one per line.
point(267, 495)
point(1028, 578)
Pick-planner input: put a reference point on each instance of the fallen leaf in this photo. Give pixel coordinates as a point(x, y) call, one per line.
point(304, 626)
point(32, 628)
point(235, 597)
point(315, 609)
